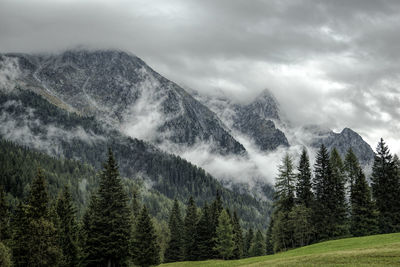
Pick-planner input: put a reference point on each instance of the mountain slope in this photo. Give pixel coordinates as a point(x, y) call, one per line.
point(120, 89)
point(30, 120)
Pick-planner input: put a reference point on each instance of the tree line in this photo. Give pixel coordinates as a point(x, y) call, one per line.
point(113, 231)
point(335, 200)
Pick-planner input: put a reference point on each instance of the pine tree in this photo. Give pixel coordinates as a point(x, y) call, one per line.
point(5, 256)
point(363, 212)
point(237, 237)
point(269, 246)
point(109, 225)
point(284, 185)
point(323, 187)
point(352, 167)
point(189, 239)
point(216, 209)
point(338, 208)
point(146, 250)
point(258, 245)
point(385, 189)
point(301, 224)
point(174, 251)
point(204, 235)
point(224, 243)
point(304, 194)
point(34, 236)
point(68, 228)
point(4, 217)
point(247, 242)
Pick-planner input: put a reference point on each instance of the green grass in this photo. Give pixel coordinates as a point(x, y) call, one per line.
point(376, 250)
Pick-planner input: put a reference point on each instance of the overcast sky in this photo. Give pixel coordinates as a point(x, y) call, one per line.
point(329, 62)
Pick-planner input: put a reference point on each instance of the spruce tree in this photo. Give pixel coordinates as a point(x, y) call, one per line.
point(216, 209)
point(386, 189)
point(363, 212)
point(174, 251)
point(323, 187)
point(247, 242)
point(146, 250)
point(338, 205)
point(304, 194)
point(204, 235)
point(189, 238)
point(237, 237)
point(224, 243)
point(68, 228)
point(109, 227)
point(269, 246)
point(352, 167)
point(4, 217)
point(258, 245)
point(284, 185)
point(35, 236)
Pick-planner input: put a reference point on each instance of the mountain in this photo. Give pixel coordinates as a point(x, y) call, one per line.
point(256, 120)
point(343, 141)
point(120, 89)
point(31, 121)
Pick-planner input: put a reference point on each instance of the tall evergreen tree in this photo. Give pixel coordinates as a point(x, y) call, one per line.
point(284, 185)
point(237, 237)
point(224, 244)
point(68, 228)
point(109, 227)
point(386, 189)
point(4, 217)
point(146, 250)
point(216, 209)
point(352, 168)
point(338, 205)
point(363, 212)
point(247, 242)
point(269, 246)
point(174, 251)
point(190, 224)
point(304, 194)
point(34, 237)
point(258, 245)
point(323, 188)
point(204, 235)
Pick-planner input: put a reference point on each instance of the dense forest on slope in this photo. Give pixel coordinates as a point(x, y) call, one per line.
point(57, 132)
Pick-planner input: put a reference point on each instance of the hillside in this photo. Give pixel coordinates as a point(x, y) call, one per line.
point(376, 250)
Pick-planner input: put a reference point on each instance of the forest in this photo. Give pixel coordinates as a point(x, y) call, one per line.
point(49, 219)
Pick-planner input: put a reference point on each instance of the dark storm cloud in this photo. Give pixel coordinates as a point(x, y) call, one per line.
point(338, 57)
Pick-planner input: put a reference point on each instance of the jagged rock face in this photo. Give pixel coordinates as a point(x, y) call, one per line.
point(255, 120)
point(120, 89)
point(343, 141)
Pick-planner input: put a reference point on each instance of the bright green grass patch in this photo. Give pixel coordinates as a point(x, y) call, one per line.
point(376, 250)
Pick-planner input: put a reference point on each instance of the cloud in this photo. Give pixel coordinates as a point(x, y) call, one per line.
point(330, 62)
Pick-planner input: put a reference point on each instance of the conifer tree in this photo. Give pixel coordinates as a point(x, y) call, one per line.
point(258, 245)
point(247, 242)
point(338, 205)
point(304, 195)
point(363, 212)
point(204, 235)
point(5, 256)
point(146, 250)
point(284, 185)
point(4, 217)
point(109, 225)
point(269, 246)
point(237, 237)
point(34, 237)
point(385, 189)
point(68, 228)
point(216, 209)
point(224, 243)
point(352, 167)
point(174, 251)
point(323, 188)
point(190, 224)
